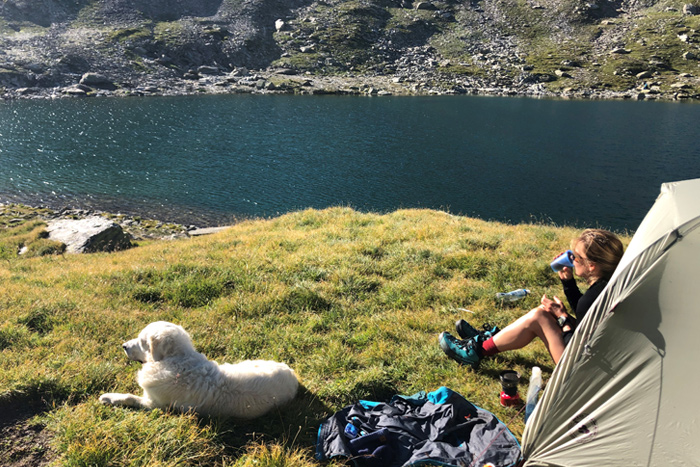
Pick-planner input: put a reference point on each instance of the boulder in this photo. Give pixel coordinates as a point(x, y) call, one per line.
point(96, 80)
point(240, 71)
point(280, 25)
point(89, 235)
point(75, 91)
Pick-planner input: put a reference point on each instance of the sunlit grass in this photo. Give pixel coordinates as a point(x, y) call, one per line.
point(353, 302)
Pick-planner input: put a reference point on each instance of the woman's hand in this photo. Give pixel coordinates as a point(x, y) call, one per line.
point(557, 309)
point(565, 273)
point(553, 306)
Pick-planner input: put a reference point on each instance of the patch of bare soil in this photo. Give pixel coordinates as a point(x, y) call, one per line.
point(23, 442)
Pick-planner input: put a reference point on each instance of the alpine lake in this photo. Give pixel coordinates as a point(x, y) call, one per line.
point(211, 160)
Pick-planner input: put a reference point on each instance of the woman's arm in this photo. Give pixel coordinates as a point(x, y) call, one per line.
point(573, 294)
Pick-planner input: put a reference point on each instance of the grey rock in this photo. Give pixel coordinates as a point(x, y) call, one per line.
point(658, 62)
point(425, 6)
point(208, 70)
point(689, 9)
point(89, 235)
point(75, 91)
point(680, 86)
point(95, 79)
point(36, 67)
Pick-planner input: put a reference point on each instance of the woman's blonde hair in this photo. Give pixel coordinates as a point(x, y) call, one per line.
point(602, 248)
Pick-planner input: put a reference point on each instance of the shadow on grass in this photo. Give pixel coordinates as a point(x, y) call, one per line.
point(295, 425)
point(15, 409)
point(22, 442)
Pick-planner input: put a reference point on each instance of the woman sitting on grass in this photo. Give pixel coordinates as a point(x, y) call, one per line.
point(596, 255)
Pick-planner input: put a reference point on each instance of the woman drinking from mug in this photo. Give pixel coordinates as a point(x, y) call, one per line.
point(596, 254)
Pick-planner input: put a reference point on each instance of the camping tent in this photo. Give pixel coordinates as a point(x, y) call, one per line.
point(626, 390)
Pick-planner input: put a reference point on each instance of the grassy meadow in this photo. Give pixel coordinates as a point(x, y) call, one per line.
point(353, 302)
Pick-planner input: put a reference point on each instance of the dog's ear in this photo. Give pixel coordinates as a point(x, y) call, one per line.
point(160, 345)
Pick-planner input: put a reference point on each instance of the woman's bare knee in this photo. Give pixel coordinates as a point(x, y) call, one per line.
point(537, 316)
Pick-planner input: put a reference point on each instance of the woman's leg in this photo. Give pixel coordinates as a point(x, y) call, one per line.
point(536, 323)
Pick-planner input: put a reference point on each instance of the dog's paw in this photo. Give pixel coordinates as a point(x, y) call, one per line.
point(108, 399)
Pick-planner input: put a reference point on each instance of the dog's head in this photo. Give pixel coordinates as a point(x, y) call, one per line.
point(158, 341)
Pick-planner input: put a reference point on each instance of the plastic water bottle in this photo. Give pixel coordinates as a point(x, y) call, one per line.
point(513, 296)
point(533, 391)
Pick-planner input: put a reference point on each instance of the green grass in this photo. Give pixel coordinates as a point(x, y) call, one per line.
point(30, 238)
point(129, 34)
point(353, 302)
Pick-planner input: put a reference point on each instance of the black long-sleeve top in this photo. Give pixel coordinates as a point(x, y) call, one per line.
point(580, 303)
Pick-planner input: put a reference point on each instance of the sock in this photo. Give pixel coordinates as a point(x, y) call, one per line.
point(488, 348)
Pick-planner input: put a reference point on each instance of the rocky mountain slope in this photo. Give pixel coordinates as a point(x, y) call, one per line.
point(579, 48)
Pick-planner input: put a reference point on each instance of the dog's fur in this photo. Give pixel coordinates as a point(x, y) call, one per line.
point(174, 375)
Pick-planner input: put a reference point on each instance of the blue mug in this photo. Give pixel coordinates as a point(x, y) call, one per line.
point(564, 260)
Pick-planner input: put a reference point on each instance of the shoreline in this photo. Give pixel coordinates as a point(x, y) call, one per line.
point(283, 81)
point(188, 217)
point(12, 214)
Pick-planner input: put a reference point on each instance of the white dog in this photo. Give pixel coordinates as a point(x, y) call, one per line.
point(175, 375)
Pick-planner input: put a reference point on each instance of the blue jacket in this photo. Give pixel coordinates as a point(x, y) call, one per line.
point(440, 428)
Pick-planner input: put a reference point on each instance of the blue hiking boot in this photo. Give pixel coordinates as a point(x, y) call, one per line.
point(489, 331)
point(465, 352)
point(465, 330)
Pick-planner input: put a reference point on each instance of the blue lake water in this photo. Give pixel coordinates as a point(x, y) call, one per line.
point(211, 159)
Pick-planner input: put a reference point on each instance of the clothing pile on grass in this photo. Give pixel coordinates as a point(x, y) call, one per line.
point(437, 428)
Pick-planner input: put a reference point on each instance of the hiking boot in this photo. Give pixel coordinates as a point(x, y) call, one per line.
point(465, 330)
point(489, 331)
point(465, 352)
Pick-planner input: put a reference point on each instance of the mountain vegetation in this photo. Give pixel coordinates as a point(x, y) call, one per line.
point(580, 48)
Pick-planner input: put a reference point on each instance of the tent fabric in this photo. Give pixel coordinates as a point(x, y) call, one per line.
point(623, 393)
point(438, 428)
